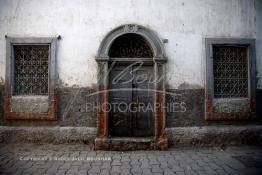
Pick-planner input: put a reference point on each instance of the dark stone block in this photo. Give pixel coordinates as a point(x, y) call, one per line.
point(189, 110)
point(219, 135)
point(77, 106)
point(185, 107)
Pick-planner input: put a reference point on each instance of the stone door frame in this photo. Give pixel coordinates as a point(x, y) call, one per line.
point(159, 141)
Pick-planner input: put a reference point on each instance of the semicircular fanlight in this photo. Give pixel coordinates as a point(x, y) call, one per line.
point(130, 46)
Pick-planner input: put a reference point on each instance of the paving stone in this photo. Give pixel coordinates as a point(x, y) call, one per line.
point(106, 165)
point(125, 159)
point(156, 169)
point(115, 169)
point(96, 163)
point(145, 165)
point(146, 171)
point(135, 162)
point(116, 162)
point(222, 172)
point(201, 172)
point(65, 166)
point(73, 169)
point(105, 172)
point(153, 161)
point(229, 170)
point(214, 166)
point(136, 169)
point(82, 172)
point(125, 172)
point(127, 166)
point(94, 169)
point(51, 170)
point(157, 173)
point(203, 161)
point(180, 173)
point(196, 167)
point(39, 171)
point(115, 173)
point(169, 172)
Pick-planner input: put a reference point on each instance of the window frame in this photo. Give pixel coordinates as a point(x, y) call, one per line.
point(210, 100)
point(9, 78)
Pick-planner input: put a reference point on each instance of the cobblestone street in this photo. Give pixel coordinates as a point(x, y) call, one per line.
point(78, 159)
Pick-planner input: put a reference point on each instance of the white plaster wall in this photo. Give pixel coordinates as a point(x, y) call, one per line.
point(259, 41)
point(84, 23)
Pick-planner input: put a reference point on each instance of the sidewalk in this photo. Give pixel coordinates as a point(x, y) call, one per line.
point(79, 159)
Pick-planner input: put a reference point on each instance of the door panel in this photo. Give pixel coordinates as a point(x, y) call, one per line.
point(142, 93)
point(120, 94)
point(131, 86)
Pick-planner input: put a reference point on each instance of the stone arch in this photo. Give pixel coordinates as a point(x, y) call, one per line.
point(148, 34)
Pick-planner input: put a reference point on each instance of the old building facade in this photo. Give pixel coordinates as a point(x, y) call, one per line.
point(198, 63)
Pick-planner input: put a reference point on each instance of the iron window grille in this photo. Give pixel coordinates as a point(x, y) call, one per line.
point(230, 69)
point(31, 69)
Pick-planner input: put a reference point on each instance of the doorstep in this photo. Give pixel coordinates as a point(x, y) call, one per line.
point(130, 143)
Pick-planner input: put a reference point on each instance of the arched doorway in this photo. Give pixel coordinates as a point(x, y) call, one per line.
point(131, 72)
point(131, 87)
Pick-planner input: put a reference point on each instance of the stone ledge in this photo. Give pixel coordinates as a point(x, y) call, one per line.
point(54, 135)
point(178, 136)
point(215, 135)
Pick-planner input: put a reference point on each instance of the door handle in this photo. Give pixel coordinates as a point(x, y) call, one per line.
point(136, 100)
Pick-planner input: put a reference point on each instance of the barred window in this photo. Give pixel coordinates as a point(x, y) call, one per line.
point(31, 69)
point(230, 78)
point(230, 68)
point(31, 78)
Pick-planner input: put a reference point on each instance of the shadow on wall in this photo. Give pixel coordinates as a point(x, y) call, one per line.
point(259, 104)
point(188, 100)
point(1, 100)
point(188, 109)
point(71, 107)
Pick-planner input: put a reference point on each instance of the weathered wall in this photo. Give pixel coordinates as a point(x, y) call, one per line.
point(189, 107)
point(73, 107)
point(259, 55)
point(76, 107)
point(84, 23)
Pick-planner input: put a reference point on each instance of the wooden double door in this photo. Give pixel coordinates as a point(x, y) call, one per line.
point(131, 104)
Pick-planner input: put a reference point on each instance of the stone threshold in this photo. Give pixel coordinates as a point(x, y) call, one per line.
point(125, 143)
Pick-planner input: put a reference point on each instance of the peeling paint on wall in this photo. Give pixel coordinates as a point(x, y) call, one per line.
point(84, 24)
